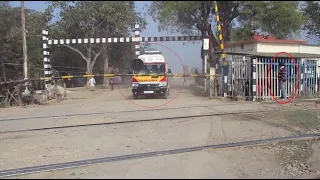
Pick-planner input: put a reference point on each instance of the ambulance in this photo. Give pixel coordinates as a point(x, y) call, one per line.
point(150, 80)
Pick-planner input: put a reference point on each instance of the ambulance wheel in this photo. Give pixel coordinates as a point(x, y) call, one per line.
point(165, 95)
point(135, 96)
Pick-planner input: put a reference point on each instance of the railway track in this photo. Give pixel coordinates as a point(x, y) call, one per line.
point(143, 120)
point(110, 112)
point(87, 162)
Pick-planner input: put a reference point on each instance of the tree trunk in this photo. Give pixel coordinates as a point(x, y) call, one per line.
point(213, 43)
point(105, 66)
point(4, 72)
point(213, 61)
point(89, 67)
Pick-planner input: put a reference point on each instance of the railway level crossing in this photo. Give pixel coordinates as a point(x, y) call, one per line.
point(137, 39)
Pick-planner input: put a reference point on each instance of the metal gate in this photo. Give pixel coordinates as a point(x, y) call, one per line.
point(240, 77)
point(309, 79)
point(307, 74)
point(247, 76)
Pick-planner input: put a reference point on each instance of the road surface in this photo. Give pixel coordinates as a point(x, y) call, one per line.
point(23, 149)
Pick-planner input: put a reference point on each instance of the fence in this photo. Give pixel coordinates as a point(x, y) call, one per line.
point(240, 77)
point(248, 77)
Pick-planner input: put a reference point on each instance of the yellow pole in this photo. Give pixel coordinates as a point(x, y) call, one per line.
point(220, 32)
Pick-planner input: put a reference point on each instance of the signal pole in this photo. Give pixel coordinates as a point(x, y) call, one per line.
point(24, 40)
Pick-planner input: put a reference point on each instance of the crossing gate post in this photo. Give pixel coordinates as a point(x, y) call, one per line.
point(46, 58)
point(254, 78)
point(206, 43)
point(302, 77)
point(136, 39)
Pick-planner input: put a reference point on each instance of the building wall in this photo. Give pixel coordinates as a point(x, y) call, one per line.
point(242, 48)
point(265, 47)
point(271, 47)
point(312, 49)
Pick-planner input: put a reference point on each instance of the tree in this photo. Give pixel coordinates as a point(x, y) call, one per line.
point(193, 16)
point(312, 10)
point(281, 19)
point(11, 41)
point(93, 19)
point(278, 18)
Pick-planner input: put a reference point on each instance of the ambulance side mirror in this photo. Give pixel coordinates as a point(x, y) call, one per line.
point(137, 65)
point(169, 70)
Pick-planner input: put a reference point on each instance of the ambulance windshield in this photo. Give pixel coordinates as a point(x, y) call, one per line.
point(153, 68)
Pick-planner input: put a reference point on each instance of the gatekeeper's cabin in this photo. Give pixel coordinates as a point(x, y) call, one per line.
point(253, 65)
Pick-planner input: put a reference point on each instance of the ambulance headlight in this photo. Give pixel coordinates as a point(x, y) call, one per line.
point(162, 84)
point(135, 84)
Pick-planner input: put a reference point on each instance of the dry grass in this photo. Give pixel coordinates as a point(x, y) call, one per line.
point(305, 119)
point(295, 151)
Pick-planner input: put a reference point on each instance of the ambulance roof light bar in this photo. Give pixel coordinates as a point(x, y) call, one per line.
point(152, 52)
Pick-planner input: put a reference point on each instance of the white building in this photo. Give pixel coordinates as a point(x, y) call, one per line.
point(270, 46)
point(259, 46)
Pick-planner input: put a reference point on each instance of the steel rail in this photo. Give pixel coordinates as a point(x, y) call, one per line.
point(143, 120)
point(109, 112)
point(81, 163)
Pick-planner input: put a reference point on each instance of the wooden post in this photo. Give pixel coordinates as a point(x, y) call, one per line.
point(6, 101)
point(212, 82)
point(55, 91)
point(18, 92)
point(32, 95)
point(64, 89)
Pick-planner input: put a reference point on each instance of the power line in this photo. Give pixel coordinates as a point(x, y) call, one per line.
point(70, 67)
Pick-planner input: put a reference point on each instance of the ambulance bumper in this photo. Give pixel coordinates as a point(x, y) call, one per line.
point(149, 89)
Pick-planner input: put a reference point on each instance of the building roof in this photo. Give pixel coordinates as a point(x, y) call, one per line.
point(267, 39)
point(296, 55)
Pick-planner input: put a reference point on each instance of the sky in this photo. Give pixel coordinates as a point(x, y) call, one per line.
point(176, 53)
point(188, 53)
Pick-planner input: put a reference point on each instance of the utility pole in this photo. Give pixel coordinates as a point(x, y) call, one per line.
point(24, 40)
point(25, 56)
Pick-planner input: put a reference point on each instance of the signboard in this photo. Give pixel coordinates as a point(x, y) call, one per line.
point(206, 44)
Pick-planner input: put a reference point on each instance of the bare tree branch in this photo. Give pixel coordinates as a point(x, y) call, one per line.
point(96, 55)
point(100, 24)
point(197, 19)
point(92, 30)
point(76, 50)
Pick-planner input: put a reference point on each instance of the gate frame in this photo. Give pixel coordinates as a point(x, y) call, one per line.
point(253, 96)
point(137, 39)
point(301, 60)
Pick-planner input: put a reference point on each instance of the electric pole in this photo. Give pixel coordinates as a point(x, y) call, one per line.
point(24, 40)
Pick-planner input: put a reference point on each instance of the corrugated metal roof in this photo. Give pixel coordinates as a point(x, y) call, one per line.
point(296, 55)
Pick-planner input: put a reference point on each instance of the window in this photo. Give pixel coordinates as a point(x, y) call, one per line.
point(153, 68)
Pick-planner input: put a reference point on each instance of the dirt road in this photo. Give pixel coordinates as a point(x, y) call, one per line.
point(22, 149)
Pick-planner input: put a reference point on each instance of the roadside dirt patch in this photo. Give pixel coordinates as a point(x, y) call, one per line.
point(291, 159)
point(298, 158)
point(307, 120)
point(296, 121)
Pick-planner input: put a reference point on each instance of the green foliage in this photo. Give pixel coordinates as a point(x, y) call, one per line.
point(92, 19)
point(278, 18)
point(176, 16)
point(190, 17)
point(11, 40)
point(281, 19)
point(312, 10)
